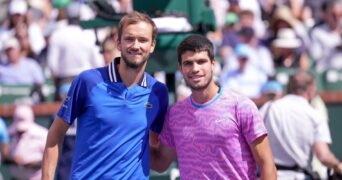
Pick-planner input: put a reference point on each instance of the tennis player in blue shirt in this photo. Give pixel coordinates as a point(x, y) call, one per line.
point(117, 108)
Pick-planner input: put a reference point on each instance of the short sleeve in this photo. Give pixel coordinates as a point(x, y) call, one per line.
point(250, 120)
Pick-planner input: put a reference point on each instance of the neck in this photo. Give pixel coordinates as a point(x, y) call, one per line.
point(130, 76)
point(202, 96)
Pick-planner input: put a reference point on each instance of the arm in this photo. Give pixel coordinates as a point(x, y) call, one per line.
point(161, 155)
point(324, 154)
point(263, 156)
point(52, 149)
point(4, 151)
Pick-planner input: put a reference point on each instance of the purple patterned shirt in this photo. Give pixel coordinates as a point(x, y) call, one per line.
point(212, 140)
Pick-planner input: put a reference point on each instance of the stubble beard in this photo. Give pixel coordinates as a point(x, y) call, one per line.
point(134, 65)
point(200, 86)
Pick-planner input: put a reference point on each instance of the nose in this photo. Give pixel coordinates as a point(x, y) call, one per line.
point(136, 44)
point(195, 67)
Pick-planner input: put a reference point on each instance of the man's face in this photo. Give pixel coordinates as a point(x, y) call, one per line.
point(136, 44)
point(13, 54)
point(197, 69)
point(335, 16)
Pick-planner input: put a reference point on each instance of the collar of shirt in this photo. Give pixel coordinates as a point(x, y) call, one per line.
point(114, 75)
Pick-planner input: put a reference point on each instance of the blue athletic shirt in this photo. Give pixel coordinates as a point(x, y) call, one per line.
point(113, 122)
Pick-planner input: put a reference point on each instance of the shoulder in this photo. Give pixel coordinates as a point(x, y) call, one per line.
point(231, 95)
point(155, 85)
point(94, 74)
point(30, 61)
point(237, 99)
point(319, 29)
point(180, 106)
point(91, 77)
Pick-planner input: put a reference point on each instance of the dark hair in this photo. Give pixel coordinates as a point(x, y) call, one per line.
point(300, 82)
point(195, 43)
point(134, 18)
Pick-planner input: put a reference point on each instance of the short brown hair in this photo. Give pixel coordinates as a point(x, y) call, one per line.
point(300, 82)
point(133, 18)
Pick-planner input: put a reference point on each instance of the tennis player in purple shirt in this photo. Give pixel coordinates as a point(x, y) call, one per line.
point(214, 134)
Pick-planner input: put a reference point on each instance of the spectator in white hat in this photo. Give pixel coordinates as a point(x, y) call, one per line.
point(288, 52)
point(30, 71)
point(26, 145)
point(18, 18)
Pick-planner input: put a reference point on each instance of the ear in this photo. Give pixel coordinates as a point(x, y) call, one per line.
point(153, 45)
point(180, 68)
point(213, 64)
point(118, 44)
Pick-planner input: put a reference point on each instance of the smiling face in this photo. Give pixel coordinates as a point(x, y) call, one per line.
point(136, 44)
point(197, 69)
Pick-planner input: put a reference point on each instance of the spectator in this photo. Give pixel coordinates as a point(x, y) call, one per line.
point(230, 36)
point(26, 146)
point(283, 18)
point(326, 37)
point(21, 33)
point(248, 18)
point(246, 78)
point(287, 52)
point(18, 17)
point(271, 90)
point(230, 30)
point(109, 50)
point(71, 51)
point(297, 131)
point(42, 56)
point(260, 56)
point(30, 71)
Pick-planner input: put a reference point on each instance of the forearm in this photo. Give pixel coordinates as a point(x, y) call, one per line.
point(268, 172)
point(263, 156)
point(52, 148)
point(332, 162)
point(50, 159)
point(326, 157)
point(161, 157)
point(157, 163)
point(4, 151)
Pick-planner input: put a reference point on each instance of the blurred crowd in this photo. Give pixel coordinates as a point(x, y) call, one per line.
point(254, 40)
point(41, 41)
point(258, 39)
